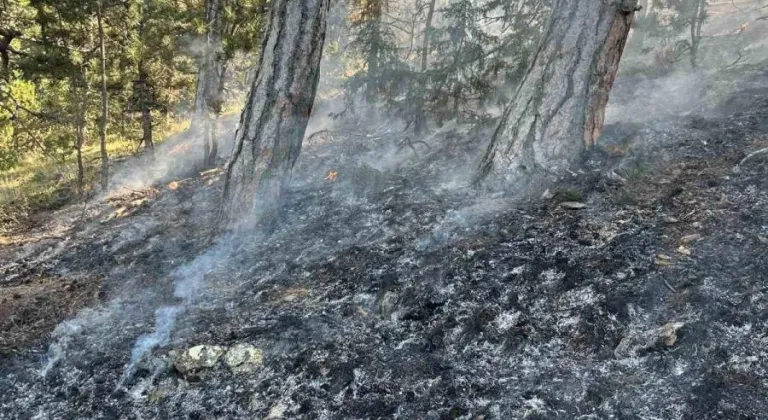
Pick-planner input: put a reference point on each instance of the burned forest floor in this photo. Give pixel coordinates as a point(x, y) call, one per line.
point(635, 288)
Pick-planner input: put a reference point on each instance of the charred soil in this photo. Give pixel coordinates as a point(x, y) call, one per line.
point(635, 288)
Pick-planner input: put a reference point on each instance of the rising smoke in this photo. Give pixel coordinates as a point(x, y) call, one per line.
point(640, 100)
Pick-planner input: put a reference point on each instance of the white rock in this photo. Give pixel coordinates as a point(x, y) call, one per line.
point(243, 358)
point(572, 205)
point(196, 358)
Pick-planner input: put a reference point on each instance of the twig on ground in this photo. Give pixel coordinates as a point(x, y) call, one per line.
point(669, 286)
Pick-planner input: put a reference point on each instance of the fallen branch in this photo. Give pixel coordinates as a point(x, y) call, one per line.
point(734, 63)
point(750, 156)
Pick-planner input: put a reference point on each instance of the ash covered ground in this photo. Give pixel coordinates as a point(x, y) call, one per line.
point(633, 289)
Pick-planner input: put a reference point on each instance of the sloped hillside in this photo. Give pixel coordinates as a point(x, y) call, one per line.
point(634, 289)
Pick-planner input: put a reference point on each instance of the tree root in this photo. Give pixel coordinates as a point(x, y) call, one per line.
point(407, 142)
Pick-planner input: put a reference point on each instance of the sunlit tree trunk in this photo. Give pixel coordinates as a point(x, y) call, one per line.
point(145, 106)
point(104, 99)
point(559, 108)
point(277, 110)
point(208, 101)
point(79, 92)
point(212, 133)
point(146, 128)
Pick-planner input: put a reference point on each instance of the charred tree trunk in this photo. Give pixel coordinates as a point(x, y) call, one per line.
point(277, 110)
point(104, 100)
point(559, 108)
point(208, 101)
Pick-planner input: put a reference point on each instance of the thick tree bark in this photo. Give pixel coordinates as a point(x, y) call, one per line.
point(559, 108)
point(277, 110)
point(208, 99)
point(104, 100)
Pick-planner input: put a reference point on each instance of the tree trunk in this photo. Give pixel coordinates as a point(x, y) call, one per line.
point(213, 122)
point(80, 134)
point(373, 83)
point(104, 101)
point(277, 110)
point(208, 100)
point(145, 105)
point(79, 94)
point(559, 108)
point(420, 120)
point(146, 128)
point(697, 20)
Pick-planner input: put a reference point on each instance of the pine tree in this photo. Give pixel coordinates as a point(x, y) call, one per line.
point(277, 110)
point(559, 108)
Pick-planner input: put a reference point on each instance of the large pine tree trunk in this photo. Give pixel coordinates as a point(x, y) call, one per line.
point(559, 108)
point(104, 100)
point(277, 110)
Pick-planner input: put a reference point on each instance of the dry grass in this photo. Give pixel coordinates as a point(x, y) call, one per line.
point(42, 183)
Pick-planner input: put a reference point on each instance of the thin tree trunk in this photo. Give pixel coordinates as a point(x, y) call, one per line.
point(145, 105)
point(277, 110)
point(213, 122)
point(104, 101)
point(559, 108)
point(213, 154)
point(80, 134)
point(373, 84)
point(697, 20)
point(639, 35)
point(80, 92)
point(207, 98)
point(146, 128)
point(420, 120)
